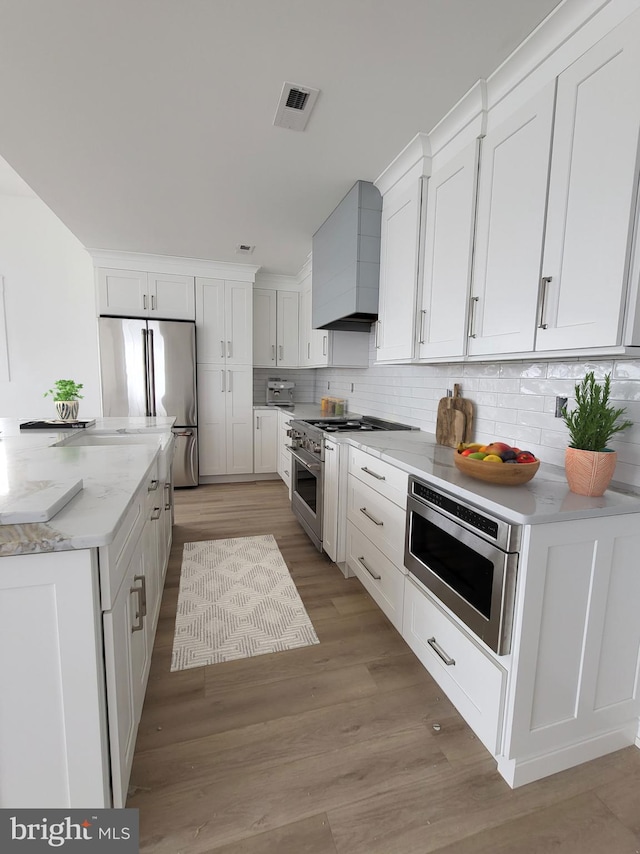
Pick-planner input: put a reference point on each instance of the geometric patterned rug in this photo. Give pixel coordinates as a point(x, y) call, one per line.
point(237, 599)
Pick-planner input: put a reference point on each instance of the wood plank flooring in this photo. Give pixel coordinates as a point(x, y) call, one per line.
point(330, 749)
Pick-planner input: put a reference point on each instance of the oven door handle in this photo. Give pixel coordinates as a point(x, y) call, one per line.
point(308, 466)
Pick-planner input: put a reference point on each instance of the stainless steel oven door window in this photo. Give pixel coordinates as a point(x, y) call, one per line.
point(473, 578)
point(306, 493)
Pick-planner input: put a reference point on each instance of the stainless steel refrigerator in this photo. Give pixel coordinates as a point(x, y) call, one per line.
point(148, 367)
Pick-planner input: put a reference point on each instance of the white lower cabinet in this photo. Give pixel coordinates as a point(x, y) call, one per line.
point(471, 680)
point(225, 413)
point(284, 443)
point(265, 441)
point(379, 576)
point(375, 506)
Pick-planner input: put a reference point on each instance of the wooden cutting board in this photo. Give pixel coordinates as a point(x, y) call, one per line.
point(454, 422)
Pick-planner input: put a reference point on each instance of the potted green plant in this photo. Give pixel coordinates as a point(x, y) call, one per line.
point(589, 464)
point(66, 396)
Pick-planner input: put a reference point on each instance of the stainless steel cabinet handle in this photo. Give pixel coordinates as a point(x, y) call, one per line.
point(222, 349)
point(257, 422)
point(156, 514)
point(328, 447)
point(308, 350)
point(472, 317)
point(167, 491)
point(139, 625)
point(286, 472)
point(281, 351)
point(435, 646)
point(377, 334)
point(153, 303)
point(144, 301)
point(153, 485)
point(375, 521)
point(228, 349)
point(372, 473)
point(423, 317)
point(273, 352)
point(544, 287)
point(324, 345)
point(370, 571)
point(229, 381)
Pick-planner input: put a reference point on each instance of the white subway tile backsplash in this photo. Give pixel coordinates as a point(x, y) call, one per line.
point(577, 370)
point(514, 401)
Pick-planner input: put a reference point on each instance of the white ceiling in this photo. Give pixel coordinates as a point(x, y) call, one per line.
point(146, 125)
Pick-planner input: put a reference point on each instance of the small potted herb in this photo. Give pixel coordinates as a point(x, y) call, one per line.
point(589, 464)
point(66, 396)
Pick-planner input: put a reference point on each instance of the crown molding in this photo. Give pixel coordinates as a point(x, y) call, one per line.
point(172, 264)
point(416, 153)
point(277, 281)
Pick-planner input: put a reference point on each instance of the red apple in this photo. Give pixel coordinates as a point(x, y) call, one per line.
point(525, 457)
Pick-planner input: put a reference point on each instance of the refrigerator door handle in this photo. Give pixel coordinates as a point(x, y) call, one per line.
point(145, 358)
point(152, 376)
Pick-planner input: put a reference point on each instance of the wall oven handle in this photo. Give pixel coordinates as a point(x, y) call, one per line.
point(309, 466)
point(369, 516)
point(372, 473)
point(435, 646)
point(373, 574)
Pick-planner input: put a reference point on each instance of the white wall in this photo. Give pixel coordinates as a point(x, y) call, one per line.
point(50, 310)
point(514, 401)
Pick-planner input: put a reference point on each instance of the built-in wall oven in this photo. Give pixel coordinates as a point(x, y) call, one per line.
point(466, 558)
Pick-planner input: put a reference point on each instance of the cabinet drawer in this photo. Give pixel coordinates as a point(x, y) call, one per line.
point(114, 558)
point(383, 477)
point(381, 579)
point(379, 519)
point(471, 680)
point(285, 467)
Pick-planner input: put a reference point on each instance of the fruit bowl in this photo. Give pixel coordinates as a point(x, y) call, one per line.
point(501, 473)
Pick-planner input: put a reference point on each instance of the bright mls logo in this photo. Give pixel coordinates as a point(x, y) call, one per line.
point(108, 831)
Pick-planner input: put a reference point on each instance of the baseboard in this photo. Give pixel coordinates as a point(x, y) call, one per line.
point(519, 772)
point(238, 478)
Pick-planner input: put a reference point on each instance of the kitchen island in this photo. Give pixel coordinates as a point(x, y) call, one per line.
point(79, 601)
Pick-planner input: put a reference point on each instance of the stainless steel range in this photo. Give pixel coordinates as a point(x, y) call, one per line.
point(307, 464)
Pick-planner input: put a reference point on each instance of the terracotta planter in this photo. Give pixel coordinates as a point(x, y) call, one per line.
point(67, 409)
point(589, 472)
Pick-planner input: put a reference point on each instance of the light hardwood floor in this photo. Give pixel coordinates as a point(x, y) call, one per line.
point(331, 749)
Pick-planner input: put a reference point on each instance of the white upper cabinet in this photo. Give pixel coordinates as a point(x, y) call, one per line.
point(514, 165)
point(324, 348)
point(224, 317)
point(592, 191)
point(448, 248)
point(275, 328)
point(399, 244)
point(131, 293)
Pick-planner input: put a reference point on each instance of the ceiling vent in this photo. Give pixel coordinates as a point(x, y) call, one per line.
point(244, 249)
point(294, 106)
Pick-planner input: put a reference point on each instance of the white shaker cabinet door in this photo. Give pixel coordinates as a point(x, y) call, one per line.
point(514, 166)
point(239, 323)
point(171, 297)
point(265, 441)
point(123, 293)
point(264, 328)
point(400, 238)
point(212, 412)
point(288, 324)
point(239, 420)
point(591, 195)
point(210, 321)
point(448, 248)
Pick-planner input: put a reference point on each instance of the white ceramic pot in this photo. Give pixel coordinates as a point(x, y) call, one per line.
point(67, 409)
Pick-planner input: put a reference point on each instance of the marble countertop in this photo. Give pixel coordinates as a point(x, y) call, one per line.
point(35, 460)
point(546, 498)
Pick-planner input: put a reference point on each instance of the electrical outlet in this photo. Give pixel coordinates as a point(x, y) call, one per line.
point(561, 402)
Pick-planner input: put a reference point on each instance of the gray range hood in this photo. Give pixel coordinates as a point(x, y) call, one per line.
point(346, 263)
